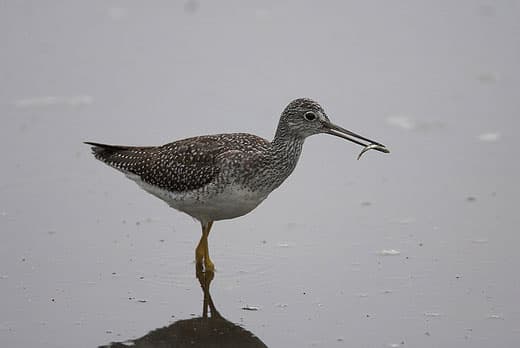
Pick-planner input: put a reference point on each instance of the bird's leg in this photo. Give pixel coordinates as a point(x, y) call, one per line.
point(202, 251)
point(199, 251)
point(208, 265)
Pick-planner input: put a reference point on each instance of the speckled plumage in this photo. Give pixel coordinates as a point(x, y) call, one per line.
point(217, 177)
point(180, 166)
point(199, 169)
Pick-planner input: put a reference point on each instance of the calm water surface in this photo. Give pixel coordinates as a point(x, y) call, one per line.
point(418, 248)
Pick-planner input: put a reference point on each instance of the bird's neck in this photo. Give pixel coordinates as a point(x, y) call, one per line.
point(285, 150)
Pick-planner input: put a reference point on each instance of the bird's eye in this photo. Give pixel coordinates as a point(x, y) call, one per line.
point(310, 116)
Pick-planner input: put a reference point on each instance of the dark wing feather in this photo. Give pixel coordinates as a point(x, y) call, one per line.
point(183, 165)
point(178, 166)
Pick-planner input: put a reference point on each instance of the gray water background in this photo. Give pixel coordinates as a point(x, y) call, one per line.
point(87, 258)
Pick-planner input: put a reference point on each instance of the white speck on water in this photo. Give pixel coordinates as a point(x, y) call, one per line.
point(394, 345)
point(389, 252)
point(78, 100)
point(363, 294)
point(283, 245)
point(409, 124)
point(402, 122)
point(432, 314)
point(406, 220)
point(250, 308)
point(489, 137)
point(480, 241)
point(496, 316)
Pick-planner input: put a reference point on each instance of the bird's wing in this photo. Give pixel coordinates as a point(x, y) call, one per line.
point(179, 166)
point(182, 165)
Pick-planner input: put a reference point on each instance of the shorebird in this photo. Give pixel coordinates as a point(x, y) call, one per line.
point(224, 176)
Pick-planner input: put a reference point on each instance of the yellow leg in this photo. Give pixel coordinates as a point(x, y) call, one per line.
point(199, 251)
point(208, 265)
point(202, 250)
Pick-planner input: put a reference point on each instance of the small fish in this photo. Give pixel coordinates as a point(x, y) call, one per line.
point(373, 147)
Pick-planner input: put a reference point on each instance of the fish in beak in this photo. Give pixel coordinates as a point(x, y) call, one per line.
point(331, 128)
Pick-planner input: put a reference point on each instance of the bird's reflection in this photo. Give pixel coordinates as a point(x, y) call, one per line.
point(209, 330)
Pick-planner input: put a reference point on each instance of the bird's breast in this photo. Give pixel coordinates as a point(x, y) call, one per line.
point(212, 202)
point(228, 202)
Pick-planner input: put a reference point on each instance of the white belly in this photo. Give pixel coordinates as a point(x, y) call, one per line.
point(208, 204)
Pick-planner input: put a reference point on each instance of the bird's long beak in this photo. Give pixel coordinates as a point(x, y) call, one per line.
point(331, 128)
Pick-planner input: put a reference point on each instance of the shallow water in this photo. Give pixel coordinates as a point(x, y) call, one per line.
point(418, 248)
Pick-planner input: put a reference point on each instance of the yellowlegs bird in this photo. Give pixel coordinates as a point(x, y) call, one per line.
point(218, 177)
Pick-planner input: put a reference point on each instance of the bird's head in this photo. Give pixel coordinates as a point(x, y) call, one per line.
point(304, 117)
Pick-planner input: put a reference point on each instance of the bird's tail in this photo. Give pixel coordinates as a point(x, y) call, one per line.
point(105, 152)
point(128, 159)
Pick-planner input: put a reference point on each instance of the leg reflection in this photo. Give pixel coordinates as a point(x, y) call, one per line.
point(210, 330)
point(205, 278)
